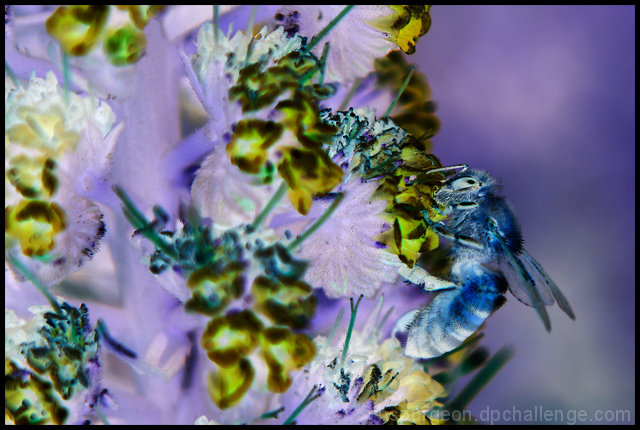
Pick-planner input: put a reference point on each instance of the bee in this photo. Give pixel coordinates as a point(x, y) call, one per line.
point(486, 243)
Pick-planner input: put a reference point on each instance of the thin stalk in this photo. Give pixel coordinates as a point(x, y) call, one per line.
point(216, 22)
point(252, 18)
point(318, 37)
point(316, 225)
point(307, 400)
point(480, 379)
point(12, 76)
point(350, 94)
point(103, 331)
point(323, 61)
point(101, 414)
point(27, 274)
point(347, 339)
point(271, 204)
point(404, 85)
point(335, 326)
point(272, 414)
point(66, 73)
point(140, 222)
point(384, 319)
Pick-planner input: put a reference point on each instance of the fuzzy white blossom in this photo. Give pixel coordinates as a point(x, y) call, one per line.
point(354, 43)
point(57, 153)
point(216, 66)
point(346, 260)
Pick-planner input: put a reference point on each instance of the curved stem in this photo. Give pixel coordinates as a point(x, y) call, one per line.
point(271, 204)
point(316, 225)
point(402, 88)
point(27, 274)
point(318, 37)
point(347, 339)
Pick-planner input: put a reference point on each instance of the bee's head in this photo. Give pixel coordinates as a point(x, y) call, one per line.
point(468, 185)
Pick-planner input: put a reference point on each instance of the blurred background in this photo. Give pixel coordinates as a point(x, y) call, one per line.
point(543, 98)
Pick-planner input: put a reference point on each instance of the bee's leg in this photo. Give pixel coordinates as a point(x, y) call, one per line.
point(433, 283)
point(444, 231)
point(419, 276)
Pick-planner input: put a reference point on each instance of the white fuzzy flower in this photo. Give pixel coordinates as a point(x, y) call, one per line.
point(374, 375)
point(225, 194)
point(18, 331)
point(57, 152)
point(354, 43)
point(215, 68)
point(345, 259)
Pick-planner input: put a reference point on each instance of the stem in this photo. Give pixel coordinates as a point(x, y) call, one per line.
point(101, 414)
point(252, 18)
point(12, 76)
point(350, 94)
point(103, 331)
point(140, 222)
point(323, 61)
point(316, 225)
point(216, 22)
point(335, 326)
point(347, 339)
point(271, 204)
point(307, 400)
point(384, 319)
point(27, 274)
point(480, 379)
point(404, 85)
point(272, 414)
point(318, 37)
point(66, 74)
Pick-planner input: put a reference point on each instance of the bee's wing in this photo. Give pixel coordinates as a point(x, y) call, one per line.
point(526, 290)
point(563, 303)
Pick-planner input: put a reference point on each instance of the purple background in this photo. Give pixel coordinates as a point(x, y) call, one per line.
point(543, 97)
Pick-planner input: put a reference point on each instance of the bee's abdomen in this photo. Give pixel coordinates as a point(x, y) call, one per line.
point(454, 315)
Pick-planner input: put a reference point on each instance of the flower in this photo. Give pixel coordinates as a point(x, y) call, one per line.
point(57, 148)
point(367, 383)
point(224, 193)
point(216, 66)
point(347, 259)
point(52, 369)
point(79, 28)
point(353, 43)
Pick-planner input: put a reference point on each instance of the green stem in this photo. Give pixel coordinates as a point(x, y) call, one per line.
point(12, 76)
point(66, 73)
point(402, 88)
point(216, 23)
point(252, 18)
point(307, 400)
point(140, 222)
point(335, 326)
point(271, 204)
point(272, 414)
point(384, 319)
point(102, 416)
point(347, 339)
point(318, 37)
point(480, 379)
point(316, 225)
point(27, 274)
point(350, 94)
point(323, 61)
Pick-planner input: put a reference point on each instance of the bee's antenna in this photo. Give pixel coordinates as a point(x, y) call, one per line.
point(444, 169)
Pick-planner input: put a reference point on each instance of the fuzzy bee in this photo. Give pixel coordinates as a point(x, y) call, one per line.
point(486, 245)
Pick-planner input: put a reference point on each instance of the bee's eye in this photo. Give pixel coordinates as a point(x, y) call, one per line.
point(463, 183)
